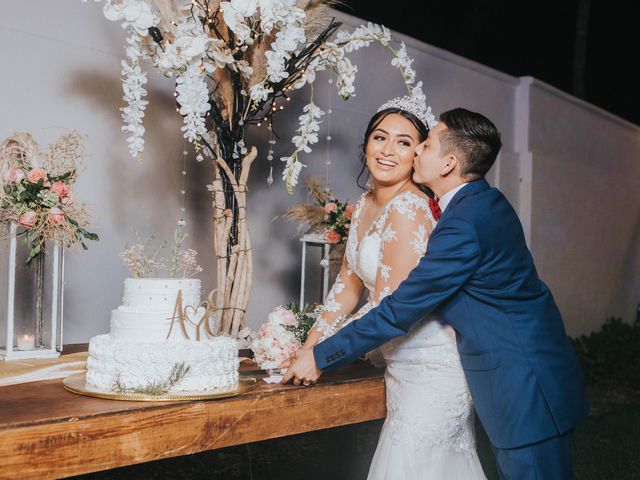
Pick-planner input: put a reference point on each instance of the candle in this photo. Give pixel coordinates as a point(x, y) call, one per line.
point(26, 342)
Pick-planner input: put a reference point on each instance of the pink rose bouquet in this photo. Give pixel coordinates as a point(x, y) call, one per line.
point(281, 335)
point(36, 191)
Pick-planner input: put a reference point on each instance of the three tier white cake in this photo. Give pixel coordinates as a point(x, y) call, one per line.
point(137, 351)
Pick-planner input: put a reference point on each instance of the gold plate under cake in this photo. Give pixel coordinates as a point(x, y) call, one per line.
point(77, 384)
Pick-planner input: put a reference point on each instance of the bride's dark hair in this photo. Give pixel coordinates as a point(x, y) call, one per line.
point(422, 129)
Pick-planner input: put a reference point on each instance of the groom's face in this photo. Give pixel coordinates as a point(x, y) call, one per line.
point(429, 161)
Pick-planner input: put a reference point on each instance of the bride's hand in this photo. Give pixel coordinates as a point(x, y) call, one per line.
point(287, 363)
point(284, 364)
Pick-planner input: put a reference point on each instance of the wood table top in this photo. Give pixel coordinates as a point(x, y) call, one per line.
point(48, 432)
point(35, 403)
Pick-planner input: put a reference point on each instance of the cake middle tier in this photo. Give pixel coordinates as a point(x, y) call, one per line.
point(141, 325)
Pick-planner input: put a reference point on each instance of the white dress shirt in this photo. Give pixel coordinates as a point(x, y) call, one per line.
point(446, 198)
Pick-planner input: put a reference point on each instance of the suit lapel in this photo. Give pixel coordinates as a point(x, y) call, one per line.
point(470, 189)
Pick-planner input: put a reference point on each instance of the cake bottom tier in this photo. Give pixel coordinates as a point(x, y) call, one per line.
point(213, 363)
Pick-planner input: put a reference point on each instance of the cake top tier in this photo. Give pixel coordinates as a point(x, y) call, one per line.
point(160, 294)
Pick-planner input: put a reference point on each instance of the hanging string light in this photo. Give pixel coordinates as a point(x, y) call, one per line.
point(272, 142)
point(327, 162)
point(183, 191)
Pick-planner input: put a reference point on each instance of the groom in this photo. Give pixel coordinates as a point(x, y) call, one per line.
point(478, 276)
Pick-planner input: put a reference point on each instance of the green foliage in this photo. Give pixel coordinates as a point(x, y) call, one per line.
point(612, 351)
point(305, 321)
point(159, 387)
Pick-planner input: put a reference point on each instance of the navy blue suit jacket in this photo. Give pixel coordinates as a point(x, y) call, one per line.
point(478, 276)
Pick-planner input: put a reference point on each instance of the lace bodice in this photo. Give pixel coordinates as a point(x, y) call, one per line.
point(389, 248)
point(410, 213)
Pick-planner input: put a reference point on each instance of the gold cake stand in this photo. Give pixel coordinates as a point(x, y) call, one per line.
point(77, 384)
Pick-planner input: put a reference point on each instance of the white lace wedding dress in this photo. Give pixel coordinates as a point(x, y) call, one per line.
point(428, 432)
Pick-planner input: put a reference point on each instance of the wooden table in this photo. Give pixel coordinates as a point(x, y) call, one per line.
point(47, 432)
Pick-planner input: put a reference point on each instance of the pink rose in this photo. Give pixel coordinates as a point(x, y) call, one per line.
point(289, 319)
point(13, 175)
point(348, 210)
point(68, 200)
point(37, 174)
point(330, 207)
point(265, 330)
point(56, 216)
point(28, 219)
point(61, 188)
point(332, 237)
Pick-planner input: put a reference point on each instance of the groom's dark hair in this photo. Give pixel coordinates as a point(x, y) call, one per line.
point(473, 138)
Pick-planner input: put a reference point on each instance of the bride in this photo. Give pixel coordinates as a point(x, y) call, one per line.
point(428, 432)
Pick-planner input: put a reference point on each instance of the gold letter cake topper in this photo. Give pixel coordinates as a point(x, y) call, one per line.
point(180, 316)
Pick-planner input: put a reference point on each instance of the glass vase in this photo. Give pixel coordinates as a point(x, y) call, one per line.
point(32, 298)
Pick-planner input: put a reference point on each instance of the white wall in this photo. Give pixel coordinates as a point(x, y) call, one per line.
point(585, 211)
point(62, 72)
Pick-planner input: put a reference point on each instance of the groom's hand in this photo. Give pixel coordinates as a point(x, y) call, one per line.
point(303, 370)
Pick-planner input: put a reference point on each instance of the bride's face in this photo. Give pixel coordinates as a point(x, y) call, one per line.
point(390, 150)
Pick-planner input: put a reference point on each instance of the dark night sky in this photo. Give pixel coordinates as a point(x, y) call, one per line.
point(522, 37)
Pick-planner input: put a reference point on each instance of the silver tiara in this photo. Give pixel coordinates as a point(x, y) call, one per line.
point(410, 104)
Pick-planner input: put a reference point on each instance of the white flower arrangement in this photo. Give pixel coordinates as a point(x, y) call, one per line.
point(193, 97)
point(229, 80)
point(232, 61)
point(133, 83)
point(308, 135)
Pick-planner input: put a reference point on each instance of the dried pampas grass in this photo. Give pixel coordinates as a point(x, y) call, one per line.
point(318, 190)
point(65, 155)
point(306, 214)
point(309, 214)
point(19, 150)
point(318, 15)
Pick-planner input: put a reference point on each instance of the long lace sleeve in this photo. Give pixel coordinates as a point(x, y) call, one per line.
point(340, 302)
point(404, 235)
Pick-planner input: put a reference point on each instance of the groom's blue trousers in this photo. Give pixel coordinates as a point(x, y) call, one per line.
point(549, 459)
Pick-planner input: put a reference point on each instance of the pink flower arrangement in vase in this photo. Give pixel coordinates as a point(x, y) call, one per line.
point(328, 217)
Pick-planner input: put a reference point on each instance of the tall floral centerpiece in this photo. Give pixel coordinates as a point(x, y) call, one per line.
point(232, 63)
point(37, 205)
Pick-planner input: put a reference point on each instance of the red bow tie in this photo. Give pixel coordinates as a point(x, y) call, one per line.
point(435, 209)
